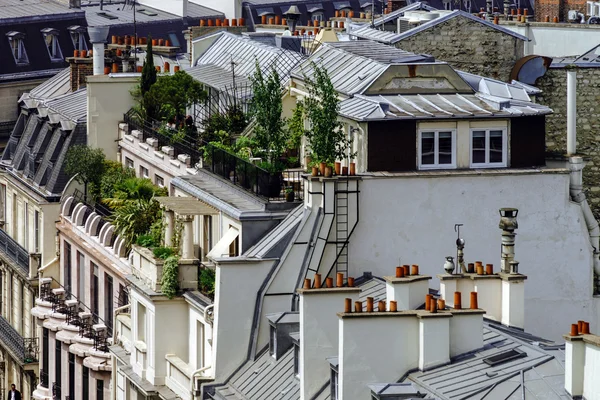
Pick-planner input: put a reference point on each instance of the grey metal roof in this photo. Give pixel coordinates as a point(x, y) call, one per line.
point(268, 242)
point(495, 87)
point(123, 14)
point(221, 79)
point(430, 106)
point(263, 379)
point(538, 375)
point(374, 287)
point(72, 106)
point(590, 59)
point(400, 12)
point(12, 9)
point(366, 32)
point(455, 14)
point(58, 85)
point(245, 53)
point(353, 65)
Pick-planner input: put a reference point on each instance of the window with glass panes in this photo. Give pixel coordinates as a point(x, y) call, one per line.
point(436, 149)
point(488, 148)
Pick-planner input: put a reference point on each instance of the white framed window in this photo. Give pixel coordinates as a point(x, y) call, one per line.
point(317, 16)
point(129, 163)
point(489, 148)
point(51, 41)
point(143, 172)
point(17, 46)
point(78, 37)
point(437, 149)
point(159, 181)
point(467, 4)
point(447, 5)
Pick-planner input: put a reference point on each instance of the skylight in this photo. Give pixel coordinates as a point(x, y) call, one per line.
point(147, 12)
point(107, 15)
point(503, 357)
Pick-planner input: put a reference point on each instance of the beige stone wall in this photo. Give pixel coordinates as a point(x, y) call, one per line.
point(9, 95)
point(469, 46)
point(554, 86)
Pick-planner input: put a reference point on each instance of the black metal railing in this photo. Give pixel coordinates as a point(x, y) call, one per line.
point(95, 205)
point(14, 251)
point(56, 392)
point(44, 378)
point(25, 349)
point(241, 172)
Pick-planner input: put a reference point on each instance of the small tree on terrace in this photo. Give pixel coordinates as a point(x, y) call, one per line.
point(266, 108)
point(87, 165)
point(171, 95)
point(326, 137)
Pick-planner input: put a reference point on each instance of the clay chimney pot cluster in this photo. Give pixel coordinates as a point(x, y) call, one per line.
point(580, 328)
point(317, 282)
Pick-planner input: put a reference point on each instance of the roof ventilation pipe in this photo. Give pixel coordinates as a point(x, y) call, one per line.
point(98, 36)
point(571, 112)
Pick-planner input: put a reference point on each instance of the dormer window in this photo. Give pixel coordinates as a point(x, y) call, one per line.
point(334, 383)
point(17, 46)
point(78, 37)
point(281, 329)
point(467, 4)
point(488, 148)
point(437, 149)
point(51, 41)
point(317, 16)
point(447, 5)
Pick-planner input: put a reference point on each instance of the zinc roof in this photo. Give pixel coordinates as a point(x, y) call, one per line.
point(353, 65)
point(221, 79)
point(400, 12)
point(270, 241)
point(245, 53)
point(366, 32)
point(72, 106)
point(364, 108)
point(537, 375)
point(33, 8)
point(58, 85)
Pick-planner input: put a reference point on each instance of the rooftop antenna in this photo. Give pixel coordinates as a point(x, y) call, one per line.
point(233, 64)
point(136, 40)
point(373, 14)
point(460, 245)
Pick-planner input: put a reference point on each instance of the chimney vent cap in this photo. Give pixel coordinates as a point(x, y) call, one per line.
point(98, 34)
point(508, 219)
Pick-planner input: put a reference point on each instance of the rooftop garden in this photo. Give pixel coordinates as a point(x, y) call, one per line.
point(133, 210)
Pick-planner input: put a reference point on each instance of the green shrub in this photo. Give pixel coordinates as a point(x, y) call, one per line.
point(146, 241)
point(169, 282)
point(163, 252)
point(207, 281)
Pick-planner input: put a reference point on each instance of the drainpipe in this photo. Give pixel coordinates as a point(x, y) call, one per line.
point(210, 307)
point(576, 165)
point(196, 372)
point(571, 112)
point(114, 359)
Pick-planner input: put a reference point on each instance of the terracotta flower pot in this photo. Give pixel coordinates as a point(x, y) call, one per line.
point(344, 171)
point(322, 168)
point(139, 68)
point(83, 53)
point(338, 167)
point(115, 68)
point(106, 70)
point(352, 168)
point(119, 52)
point(328, 172)
point(315, 171)
point(76, 53)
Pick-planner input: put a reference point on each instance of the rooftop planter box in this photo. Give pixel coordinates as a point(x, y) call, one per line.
point(149, 269)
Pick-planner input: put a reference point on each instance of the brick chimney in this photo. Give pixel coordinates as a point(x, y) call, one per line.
point(80, 69)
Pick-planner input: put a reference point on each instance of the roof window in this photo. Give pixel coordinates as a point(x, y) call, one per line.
point(504, 356)
point(17, 46)
point(78, 37)
point(106, 15)
point(147, 12)
point(52, 44)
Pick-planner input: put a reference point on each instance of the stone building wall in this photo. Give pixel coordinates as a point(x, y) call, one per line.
point(469, 46)
point(557, 8)
point(554, 95)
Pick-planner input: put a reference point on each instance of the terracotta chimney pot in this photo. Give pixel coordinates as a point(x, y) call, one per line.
point(547, 18)
point(393, 306)
point(210, 22)
point(574, 330)
point(489, 269)
point(473, 304)
point(586, 328)
point(115, 68)
point(369, 304)
point(471, 268)
point(306, 283)
point(381, 306)
point(358, 306)
point(176, 68)
point(226, 22)
point(580, 327)
point(428, 301)
point(317, 281)
point(399, 272)
point(340, 279)
point(406, 270)
point(432, 306)
point(241, 21)
point(347, 305)
point(350, 281)
point(329, 282)
point(202, 22)
point(233, 22)
point(271, 20)
point(441, 304)
point(106, 70)
point(457, 300)
point(263, 19)
point(139, 68)
point(414, 269)
point(555, 20)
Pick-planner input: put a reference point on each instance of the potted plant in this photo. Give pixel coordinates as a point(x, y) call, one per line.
point(289, 194)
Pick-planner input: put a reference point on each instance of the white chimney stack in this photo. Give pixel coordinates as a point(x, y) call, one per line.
point(319, 331)
point(582, 362)
point(98, 37)
point(408, 289)
point(571, 112)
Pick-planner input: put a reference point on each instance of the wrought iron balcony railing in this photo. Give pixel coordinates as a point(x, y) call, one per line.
point(56, 391)
point(25, 350)
point(44, 378)
point(14, 252)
